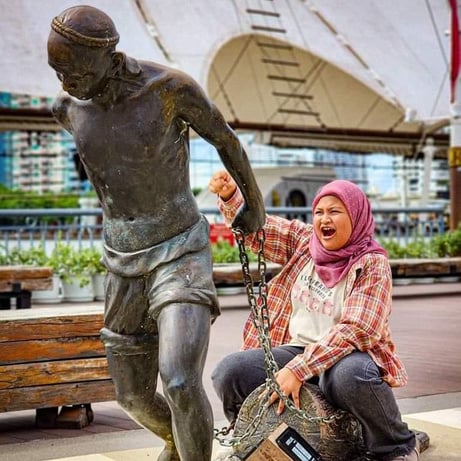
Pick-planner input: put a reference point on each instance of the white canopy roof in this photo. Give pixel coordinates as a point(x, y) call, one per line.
point(320, 64)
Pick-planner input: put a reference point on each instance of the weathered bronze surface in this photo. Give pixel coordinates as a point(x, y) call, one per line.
point(340, 440)
point(130, 121)
point(337, 440)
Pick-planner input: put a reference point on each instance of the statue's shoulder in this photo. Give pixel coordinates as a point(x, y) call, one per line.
point(61, 107)
point(168, 77)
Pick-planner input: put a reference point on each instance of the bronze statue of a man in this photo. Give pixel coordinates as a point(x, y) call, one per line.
point(130, 121)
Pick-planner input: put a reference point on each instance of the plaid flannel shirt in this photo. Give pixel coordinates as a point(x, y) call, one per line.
point(364, 321)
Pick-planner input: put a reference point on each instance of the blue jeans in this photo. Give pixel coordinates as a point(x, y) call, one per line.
point(353, 384)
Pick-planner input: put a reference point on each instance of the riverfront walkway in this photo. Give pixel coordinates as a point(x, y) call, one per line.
point(426, 326)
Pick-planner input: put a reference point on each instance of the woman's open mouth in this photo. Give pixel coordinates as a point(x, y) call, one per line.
point(327, 231)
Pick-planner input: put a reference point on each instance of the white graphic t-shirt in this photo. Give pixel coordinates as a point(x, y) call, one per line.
point(315, 308)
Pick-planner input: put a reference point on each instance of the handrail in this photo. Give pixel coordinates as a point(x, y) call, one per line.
point(20, 227)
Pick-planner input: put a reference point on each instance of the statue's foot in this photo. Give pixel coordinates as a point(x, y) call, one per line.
point(169, 454)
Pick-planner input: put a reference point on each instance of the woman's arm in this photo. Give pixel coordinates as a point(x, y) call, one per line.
point(282, 236)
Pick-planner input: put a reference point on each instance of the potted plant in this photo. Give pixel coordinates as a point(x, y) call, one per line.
point(37, 256)
point(98, 271)
point(72, 265)
point(447, 244)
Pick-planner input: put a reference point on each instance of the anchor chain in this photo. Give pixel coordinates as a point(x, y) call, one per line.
point(261, 322)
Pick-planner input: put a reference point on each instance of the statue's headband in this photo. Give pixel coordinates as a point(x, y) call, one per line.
point(81, 39)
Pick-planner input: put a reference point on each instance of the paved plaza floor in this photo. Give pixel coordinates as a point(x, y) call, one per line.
point(426, 326)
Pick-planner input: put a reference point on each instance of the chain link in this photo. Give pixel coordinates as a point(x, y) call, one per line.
point(261, 322)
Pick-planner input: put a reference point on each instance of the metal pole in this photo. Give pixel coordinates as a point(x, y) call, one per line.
point(454, 153)
point(428, 150)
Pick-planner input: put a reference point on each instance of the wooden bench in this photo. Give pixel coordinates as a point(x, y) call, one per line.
point(17, 282)
point(428, 267)
point(231, 274)
point(51, 357)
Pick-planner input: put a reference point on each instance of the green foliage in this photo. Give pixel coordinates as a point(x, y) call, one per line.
point(33, 256)
point(95, 265)
point(393, 248)
point(196, 190)
point(448, 244)
point(224, 252)
point(72, 262)
point(66, 260)
point(443, 245)
point(418, 248)
point(25, 200)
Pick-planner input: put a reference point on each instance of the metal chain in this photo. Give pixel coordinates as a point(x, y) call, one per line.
point(261, 322)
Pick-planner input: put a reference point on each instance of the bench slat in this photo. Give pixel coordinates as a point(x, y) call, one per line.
point(49, 328)
point(44, 350)
point(32, 278)
point(425, 267)
point(231, 274)
point(56, 372)
point(19, 273)
point(57, 395)
point(31, 285)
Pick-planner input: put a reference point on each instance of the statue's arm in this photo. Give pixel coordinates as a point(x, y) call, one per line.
point(205, 118)
point(60, 110)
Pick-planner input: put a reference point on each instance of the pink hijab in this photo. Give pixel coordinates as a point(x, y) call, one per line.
point(332, 266)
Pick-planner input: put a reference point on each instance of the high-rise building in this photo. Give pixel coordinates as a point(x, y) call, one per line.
point(35, 161)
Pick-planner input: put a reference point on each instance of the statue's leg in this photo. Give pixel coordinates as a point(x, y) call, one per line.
point(133, 365)
point(184, 331)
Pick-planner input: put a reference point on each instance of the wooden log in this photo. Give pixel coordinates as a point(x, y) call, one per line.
point(433, 267)
point(20, 326)
point(30, 285)
point(29, 277)
point(231, 274)
point(56, 395)
point(45, 350)
point(14, 273)
point(55, 372)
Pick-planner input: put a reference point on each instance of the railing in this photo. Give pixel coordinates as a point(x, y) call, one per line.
point(83, 227)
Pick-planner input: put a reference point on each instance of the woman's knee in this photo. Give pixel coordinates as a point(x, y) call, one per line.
point(350, 376)
point(225, 373)
point(239, 373)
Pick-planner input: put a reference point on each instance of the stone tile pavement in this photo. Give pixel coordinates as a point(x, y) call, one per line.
point(426, 325)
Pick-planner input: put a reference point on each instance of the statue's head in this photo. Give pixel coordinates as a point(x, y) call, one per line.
point(81, 47)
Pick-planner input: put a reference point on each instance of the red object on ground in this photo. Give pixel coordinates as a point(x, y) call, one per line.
point(219, 231)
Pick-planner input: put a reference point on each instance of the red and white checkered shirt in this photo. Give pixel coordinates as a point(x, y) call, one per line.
point(364, 320)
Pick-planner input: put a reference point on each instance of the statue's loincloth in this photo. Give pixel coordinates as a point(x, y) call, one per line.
point(139, 284)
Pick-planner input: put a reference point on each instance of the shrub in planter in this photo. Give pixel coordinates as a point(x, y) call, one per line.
point(224, 252)
point(94, 256)
point(98, 271)
point(32, 256)
point(72, 263)
point(448, 244)
point(36, 256)
point(74, 268)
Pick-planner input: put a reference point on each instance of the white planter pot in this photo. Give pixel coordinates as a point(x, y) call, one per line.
point(98, 287)
point(53, 296)
point(73, 292)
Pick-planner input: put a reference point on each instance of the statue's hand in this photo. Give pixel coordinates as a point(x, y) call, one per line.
point(249, 220)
